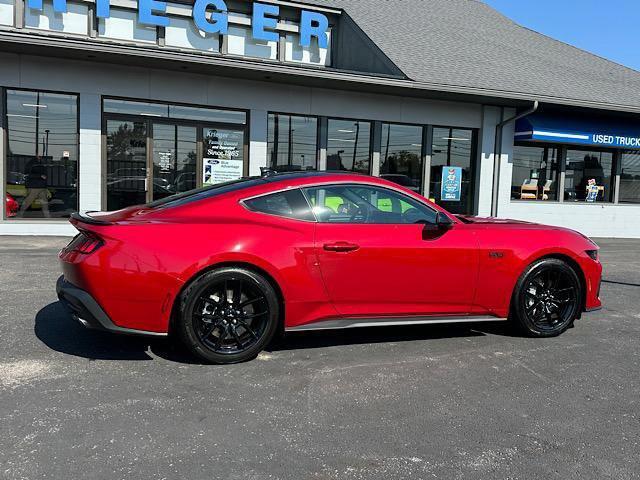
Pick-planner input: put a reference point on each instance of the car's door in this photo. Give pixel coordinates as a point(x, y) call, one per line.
point(375, 261)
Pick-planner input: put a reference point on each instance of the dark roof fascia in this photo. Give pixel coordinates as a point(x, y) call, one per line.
point(151, 56)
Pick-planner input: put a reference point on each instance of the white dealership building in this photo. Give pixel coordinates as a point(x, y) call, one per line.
point(106, 104)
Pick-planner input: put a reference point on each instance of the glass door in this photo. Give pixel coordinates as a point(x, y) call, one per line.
point(223, 155)
point(452, 169)
point(174, 156)
point(149, 159)
point(126, 163)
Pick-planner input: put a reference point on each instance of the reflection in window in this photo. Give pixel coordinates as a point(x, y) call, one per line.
point(123, 25)
point(241, 42)
point(126, 163)
point(313, 54)
point(535, 173)
point(588, 171)
point(292, 142)
point(174, 159)
point(42, 153)
point(74, 20)
point(349, 145)
point(183, 33)
point(207, 114)
point(129, 107)
point(630, 178)
point(453, 147)
point(401, 155)
point(7, 9)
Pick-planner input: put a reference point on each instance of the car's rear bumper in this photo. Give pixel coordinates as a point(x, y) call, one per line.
point(89, 313)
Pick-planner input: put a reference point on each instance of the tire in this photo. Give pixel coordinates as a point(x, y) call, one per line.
point(547, 298)
point(228, 315)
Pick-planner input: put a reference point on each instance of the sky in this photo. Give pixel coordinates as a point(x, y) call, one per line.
point(607, 28)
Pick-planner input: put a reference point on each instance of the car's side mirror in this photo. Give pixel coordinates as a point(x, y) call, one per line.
point(436, 230)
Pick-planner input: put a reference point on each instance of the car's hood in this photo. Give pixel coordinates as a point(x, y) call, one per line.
point(491, 220)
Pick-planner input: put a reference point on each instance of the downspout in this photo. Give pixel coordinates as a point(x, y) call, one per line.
point(498, 154)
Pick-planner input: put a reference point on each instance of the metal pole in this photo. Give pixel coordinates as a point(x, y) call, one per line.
point(497, 148)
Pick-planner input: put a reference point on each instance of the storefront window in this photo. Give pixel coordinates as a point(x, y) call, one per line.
point(42, 153)
point(349, 145)
point(183, 33)
point(313, 54)
point(7, 9)
point(588, 176)
point(292, 142)
point(535, 173)
point(240, 41)
point(122, 24)
point(452, 159)
point(630, 178)
point(401, 155)
point(129, 107)
point(74, 20)
point(155, 150)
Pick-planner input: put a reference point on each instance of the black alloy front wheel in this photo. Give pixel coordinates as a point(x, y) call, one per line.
point(547, 298)
point(228, 315)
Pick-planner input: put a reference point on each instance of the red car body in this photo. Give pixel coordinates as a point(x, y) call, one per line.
point(135, 262)
point(11, 206)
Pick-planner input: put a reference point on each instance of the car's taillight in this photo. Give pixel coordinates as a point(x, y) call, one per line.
point(593, 254)
point(85, 243)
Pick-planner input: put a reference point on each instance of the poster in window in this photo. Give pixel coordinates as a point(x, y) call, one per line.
point(451, 186)
point(223, 160)
point(218, 171)
point(165, 161)
point(592, 190)
point(222, 144)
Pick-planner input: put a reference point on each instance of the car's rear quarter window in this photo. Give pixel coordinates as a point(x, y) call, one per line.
point(288, 204)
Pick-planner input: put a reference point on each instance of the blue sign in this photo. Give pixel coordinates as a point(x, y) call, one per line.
point(211, 16)
point(584, 138)
point(451, 186)
point(597, 130)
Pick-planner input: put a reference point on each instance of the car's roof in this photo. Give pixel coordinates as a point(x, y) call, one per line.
point(268, 182)
point(279, 176)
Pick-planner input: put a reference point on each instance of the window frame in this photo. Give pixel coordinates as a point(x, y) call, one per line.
point(372, 142)
point(4, 154)
point(613, 174)
point(423, 149)
point(318, 129)
point(150, 119)
point(474, 163)
point(619, 166)
point(364, 185)
point(560, 173)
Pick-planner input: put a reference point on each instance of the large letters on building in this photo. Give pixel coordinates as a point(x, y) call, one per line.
point(211, 16)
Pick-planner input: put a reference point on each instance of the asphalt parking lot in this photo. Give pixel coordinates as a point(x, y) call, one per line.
point(395, 403)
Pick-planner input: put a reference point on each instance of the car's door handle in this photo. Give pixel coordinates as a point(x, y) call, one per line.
point(341, 247)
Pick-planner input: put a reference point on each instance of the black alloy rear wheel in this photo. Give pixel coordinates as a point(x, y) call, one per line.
point(228, 315)
point(547, 298)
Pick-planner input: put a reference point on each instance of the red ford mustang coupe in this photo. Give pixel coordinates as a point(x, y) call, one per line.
point(11, 208)
point(227, 267)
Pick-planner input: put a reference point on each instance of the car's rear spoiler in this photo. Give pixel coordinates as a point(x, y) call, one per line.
point(84, 217)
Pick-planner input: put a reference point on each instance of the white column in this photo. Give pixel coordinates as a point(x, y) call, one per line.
point(506, 166)
point(90, 161)
point(257, 141)
point(490, 117)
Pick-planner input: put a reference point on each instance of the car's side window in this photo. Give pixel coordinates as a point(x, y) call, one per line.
point(366, 204)
point(288, 203)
